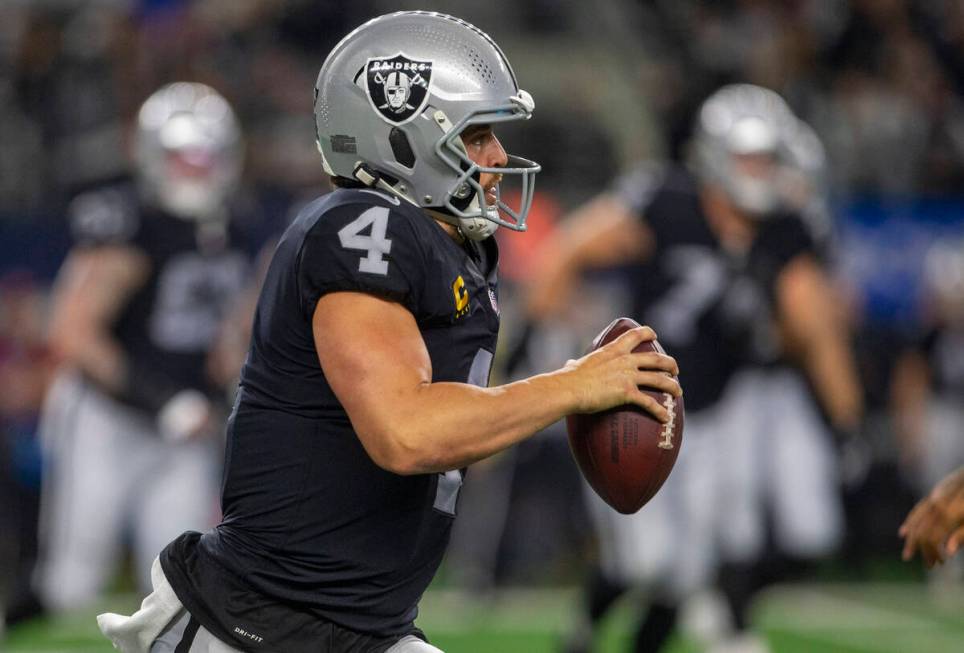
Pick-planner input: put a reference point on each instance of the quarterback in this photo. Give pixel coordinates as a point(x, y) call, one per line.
point(363, 397)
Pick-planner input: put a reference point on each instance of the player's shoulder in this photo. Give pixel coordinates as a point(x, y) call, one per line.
point(784, 236)
point(786, 225)
point(650, 182)
point(349, 212)
point(107, 214)
point(358, 240)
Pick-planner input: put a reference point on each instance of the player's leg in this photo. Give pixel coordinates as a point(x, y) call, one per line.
point(82, 497)
point(634, 550)
point(599, 593)
point(412, 644)
point(803, 481)
point(178, 493)
point(161, 625)
point(186, 635)
point(690, 524)
point(656, 627)
point(742, 440)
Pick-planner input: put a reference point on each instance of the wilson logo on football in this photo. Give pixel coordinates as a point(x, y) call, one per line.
point(397, 87)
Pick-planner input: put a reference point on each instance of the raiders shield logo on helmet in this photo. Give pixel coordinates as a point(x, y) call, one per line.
point(397, 87)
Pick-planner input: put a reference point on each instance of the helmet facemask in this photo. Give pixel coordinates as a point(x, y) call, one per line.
point(466, 199)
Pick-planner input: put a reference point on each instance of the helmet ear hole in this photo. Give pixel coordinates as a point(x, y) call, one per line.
point(401, 148)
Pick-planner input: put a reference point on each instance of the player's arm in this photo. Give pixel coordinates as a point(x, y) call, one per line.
point(909, 391)
point(93, 286)
point(91, 289)
point(816, 332)
point(935, 526)
point(602, 233)
point(226, 356)
point(374, 357)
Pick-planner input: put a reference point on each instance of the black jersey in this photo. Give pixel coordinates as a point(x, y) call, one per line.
point(168, 325)
point(713, 310)
point(315, 530)
point(943, 347)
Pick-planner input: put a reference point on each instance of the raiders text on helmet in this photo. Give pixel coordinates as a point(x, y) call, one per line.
point(392, 100)
point(188, 150)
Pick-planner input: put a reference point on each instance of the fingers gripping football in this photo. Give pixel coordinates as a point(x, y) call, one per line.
point(613, 374)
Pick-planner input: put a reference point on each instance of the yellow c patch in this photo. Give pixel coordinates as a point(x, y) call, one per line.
point(461, 296)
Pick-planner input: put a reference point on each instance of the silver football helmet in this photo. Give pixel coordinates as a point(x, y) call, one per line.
point(806, 182)
point(735, 124)
point(188, 150)
point(392, 100)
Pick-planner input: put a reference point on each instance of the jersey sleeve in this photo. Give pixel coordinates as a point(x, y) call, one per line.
point(785, 238)
point(362, 248)
point(105, 216)
point(636, 188)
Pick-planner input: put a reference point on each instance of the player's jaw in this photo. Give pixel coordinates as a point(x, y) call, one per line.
point(490, 184)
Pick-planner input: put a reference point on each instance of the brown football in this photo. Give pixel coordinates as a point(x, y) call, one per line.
point(624, 453)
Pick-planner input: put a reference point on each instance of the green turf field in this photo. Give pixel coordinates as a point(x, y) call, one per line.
point(831, 618)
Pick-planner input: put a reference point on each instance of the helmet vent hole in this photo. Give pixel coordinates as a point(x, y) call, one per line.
point(401, 148)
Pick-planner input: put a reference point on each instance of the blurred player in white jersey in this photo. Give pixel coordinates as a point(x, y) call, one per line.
point(132, 425)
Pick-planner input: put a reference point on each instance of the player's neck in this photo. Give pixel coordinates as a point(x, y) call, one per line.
point(733, 229)
point(448, 227)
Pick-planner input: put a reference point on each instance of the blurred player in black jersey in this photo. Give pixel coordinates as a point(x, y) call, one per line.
point(364, 396)
point(131, 426)
point(778, 500)
point(726, 272)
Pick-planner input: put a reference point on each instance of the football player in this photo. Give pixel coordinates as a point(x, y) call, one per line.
point(927, 390)
point(725, 270)
point(363, 397)
point(929, 380)
point(779, 497)
point(935, 526)
point(137, 305)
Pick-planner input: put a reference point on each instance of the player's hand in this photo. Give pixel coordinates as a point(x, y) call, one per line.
point(612, 375)
point(935, 526)
point(188, 415)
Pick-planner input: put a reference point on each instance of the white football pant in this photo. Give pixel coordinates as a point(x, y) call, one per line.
point(774, 453)
point(667, 547)
point(111, 481)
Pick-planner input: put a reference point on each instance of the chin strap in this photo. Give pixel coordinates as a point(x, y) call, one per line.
point(471, 228)
point(374, 179)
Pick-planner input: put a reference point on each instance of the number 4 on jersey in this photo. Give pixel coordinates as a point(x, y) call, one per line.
point(376, 244)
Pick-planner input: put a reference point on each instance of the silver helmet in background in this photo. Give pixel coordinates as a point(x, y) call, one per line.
point(392, 100)
point(806, 180)
point(740, 144)
point(188, 150)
